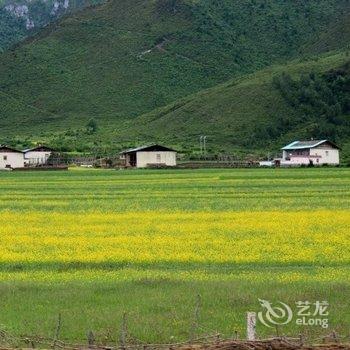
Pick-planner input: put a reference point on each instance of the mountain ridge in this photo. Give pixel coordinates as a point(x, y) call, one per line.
point(118, 61)
point(20, 19)
point(240, 107)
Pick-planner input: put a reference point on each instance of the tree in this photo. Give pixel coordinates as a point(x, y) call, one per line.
point(168, 6)
point(91, 126)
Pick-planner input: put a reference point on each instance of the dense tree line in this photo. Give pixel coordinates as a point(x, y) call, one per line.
point(12, 29)
point(321, 102)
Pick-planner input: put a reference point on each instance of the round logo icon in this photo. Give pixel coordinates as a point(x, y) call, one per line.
point(274, 315)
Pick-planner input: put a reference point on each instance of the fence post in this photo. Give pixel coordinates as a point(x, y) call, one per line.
point(57, 332)
point(91, 339)
point(251, 326)
point(195, 324)
point(335, 337)
point(301, 339)
point(123, 332)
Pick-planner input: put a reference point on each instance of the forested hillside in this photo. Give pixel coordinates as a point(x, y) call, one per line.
point(336, 36)
point(123, 59)
point(12, 29)
point(261, 111)
point(22, 18)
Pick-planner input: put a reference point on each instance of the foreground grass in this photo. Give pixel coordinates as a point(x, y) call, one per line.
point(93, 244)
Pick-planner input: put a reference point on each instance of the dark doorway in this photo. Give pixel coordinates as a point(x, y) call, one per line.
point(132, 159)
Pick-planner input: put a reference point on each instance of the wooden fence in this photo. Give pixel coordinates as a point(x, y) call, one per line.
point(200, 339)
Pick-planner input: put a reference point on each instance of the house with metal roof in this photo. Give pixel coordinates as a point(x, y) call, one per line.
point(148, 156)
point(314, 152)
point(10, 158)
point(38, 155)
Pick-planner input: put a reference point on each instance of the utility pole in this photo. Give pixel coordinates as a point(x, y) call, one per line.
point(201, 144)
point(205, 145)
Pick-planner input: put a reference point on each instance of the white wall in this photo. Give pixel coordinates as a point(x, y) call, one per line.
point(327, 156)
point(15, 160)
point(296, 161)
point(165, 158)
point(36, 157)
point(318, 156)
point(267, 163)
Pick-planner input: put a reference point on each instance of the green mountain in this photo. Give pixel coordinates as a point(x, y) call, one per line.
point(122, 62)
point(12, 29)
point(336, 36)
point(258, 112)
point(21, 18)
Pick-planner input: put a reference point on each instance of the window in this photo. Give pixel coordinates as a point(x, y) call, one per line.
point(327, 153)
point(5, 157)
point(158, 157)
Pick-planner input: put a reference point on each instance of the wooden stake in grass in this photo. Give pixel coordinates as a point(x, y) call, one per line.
point(335, 337)
point(251, 326)
point(57, 332)
point(195, 324)
point(277, 331)
point(123, 331)
point(301, 339)
point(91, 339)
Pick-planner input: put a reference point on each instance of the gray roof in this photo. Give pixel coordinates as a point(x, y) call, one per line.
point(10, 148)
point(307, 144)
point(149, 148)
point(48, 149)
point(129, 150)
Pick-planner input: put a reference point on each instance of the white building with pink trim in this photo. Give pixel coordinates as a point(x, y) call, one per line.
point(310, 153)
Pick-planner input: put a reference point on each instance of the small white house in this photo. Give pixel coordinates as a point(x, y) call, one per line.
point(154, 155)
point(10, 158)
point(310, 153)
point(37, 155)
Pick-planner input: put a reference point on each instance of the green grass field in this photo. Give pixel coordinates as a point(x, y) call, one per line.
point(92, 244)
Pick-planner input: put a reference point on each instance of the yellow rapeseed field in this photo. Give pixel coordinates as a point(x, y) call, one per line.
point(91, 245)
point(146, 237)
